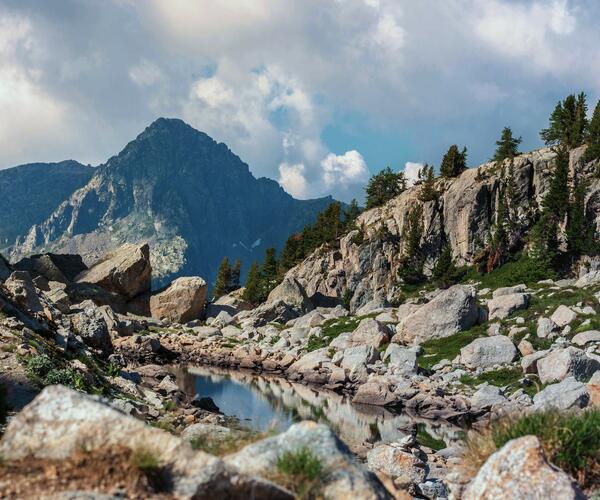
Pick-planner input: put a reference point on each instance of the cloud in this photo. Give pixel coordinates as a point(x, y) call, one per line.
point(145, 74)
point(344, 170)
point(411, 171)
point(291, 178)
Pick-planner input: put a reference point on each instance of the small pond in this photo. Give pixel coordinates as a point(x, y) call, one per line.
point(268, 402)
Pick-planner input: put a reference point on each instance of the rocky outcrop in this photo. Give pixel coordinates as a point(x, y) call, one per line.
point(182, 301)
point(520, 470)
point(62, 268)
point(451, 311)
point(292, 293)
point(563, 363)
point(21, 289)
point(488, 351)
point(125, 271)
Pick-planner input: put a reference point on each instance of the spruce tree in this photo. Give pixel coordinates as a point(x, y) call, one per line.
point(580, 123)
point(223, 280)
point(507, 146)
point(412, 261)
point(268, 274)
point(554, 133)
point(568, 122)
point(593, 136)
point(351, 214)
point(444, 271)
point(428, 191)
point(252, 288)
point(384, 186)
point(234, 282)
point(454, 162)
point(580, 230)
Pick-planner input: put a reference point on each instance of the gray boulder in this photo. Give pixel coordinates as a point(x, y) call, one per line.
point(564, 363)
point(344, 476)
point(488, 396)
point(486, 352)
point(546, 327)
point(404, 359)
point(503, 306)
point(509, 290)
point(91, 326)
point(588, 337)
point(182, 301)
point(529, 362)
point(401, 466)
point(565, 395)
point(21, 289)
point(370, 332)
point(520, 471)
point(291, 292)
point(563, 316)
point(356, 359)
point(451, 311)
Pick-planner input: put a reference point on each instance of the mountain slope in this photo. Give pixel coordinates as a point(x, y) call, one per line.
point(30, 192)
point(190, 197)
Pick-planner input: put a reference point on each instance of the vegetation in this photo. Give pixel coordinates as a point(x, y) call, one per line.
point(593, 137)
point(507, 147)
point(435, 350)
point(427, 179)
point(523, 269)
point(580, 229)
point(228, 278)
point(220, 445)
point(568, 122)
point(330, 330)
point(384, 186)
point(445, 273)
point(146, 461)
point(302, 472)
point(570, 440)
point(454, 162)
point(410, 270)
point(426, 439)
point(503, 377)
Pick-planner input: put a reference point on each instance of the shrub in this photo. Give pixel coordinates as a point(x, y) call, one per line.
point(145, 460)
point(112, 370)
point(301, 470)
point(570, 441)
point(39, 366)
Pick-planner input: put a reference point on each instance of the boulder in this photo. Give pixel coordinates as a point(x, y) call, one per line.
point(588, 337)
point(404, 359)
point(503, 306)
point(291, 292)
point(509, 290)
point(275, 312)
point(486, 352)
point(91, 326)
point(21, 289)
point(519, 471)
point(593, 388)
point(565, 395)
point(487, 396)
point(344, 476)
point(563, 316)
point(53, 267)
point(231, 303)
point(564, 363)
point(530, 361)
point(182, 301)
point(401, 466)
point(356, 359)
point(449, 312)
point(370, 332)
point(61, 421)
point(588, 279)
point(546, 327)
point(125, 271)
point(378, 391)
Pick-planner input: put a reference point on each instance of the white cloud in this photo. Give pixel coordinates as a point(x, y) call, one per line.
point(291, 178)
point(411, 171)
point(344, 170)
point(145, 74)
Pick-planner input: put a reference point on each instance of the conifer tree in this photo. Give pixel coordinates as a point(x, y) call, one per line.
point(593, 137)
point(580, 230)
point(252, 288)
point(234, 283)
point(412, 261)
point(384, 186)
point(428, 191)
point(444, 271)
point(454, 162)
point(268, 274)
point(568, 122)
point(351, 213)
point(507, 146)
point(223, 280)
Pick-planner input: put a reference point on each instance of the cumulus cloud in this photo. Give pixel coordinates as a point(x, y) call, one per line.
point(344, 170)
point(145, 74)
point(411, 171)
point(291, 178)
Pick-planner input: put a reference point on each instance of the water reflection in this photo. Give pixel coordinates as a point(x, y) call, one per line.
point(261, 402)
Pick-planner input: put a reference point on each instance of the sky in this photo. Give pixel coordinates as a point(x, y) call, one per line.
point(316, 94)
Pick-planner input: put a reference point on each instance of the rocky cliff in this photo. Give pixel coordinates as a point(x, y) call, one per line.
point(188, 196)
point(365, 264)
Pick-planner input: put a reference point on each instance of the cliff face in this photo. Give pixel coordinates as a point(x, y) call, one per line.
point(189, 197)
point(367, 260)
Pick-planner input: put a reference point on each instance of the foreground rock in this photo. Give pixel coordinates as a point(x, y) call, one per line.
point(452, 311)
point(566, 395)
point(182, 301)
point(61, 421)
point(567, 362)
point(125, 271)
point(488, 351)
point(344, 477)
point(520, 470)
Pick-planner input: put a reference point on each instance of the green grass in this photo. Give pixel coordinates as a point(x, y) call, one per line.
point(435, 350)
point(146, 461)
point(426, 439)
point(301, 471)
point(571, 441)
point(502, 377)
point(332, 329)
point(521, 270)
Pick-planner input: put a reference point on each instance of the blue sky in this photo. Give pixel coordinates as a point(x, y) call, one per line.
point(317, 94)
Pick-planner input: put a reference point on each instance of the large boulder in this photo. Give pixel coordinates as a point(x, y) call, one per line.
point(403, 359)
point(21, 289)
point(378, 391)
point(520, 471)
point(292, 293)
point(402, 467)
point(565, 395)
point(502, 306)
point(564, 363)
point(182, 301)
point(449, 312)
point(125, 271)
point(356, 359)
point(232, 303)
point(63, 268)
point(343, 475)
point(486, 352)
point(91, 325)
point(60, 422)
point(369, 332)
point(563, 316)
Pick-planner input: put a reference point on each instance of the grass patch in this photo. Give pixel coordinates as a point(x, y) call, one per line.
point(332, 329)
point(301, 472)
point(426, 439)
point(570, 441)
point(113, 370)
point(522, 270)
point(224, 445)
point(502, 377)
point(145, 460)
point(435, 350)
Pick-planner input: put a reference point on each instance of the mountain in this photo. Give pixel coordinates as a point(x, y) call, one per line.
point(30, 192)
point(188, 196)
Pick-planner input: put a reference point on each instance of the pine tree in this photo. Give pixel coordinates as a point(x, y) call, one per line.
point(580, 123)
point(444, 271)
point(268, 274)
point(234, 282)
point(428, 191)
point(223, 280)
point(554, 133)
point(252, 288)
point(568, 122)
point(454, 162)
point(351, 214)
point(580, 231)
point(593, 136)
point(384, 186)
point(511, 202)
point(412, 261)
point(507, 146)
point(499, 243)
